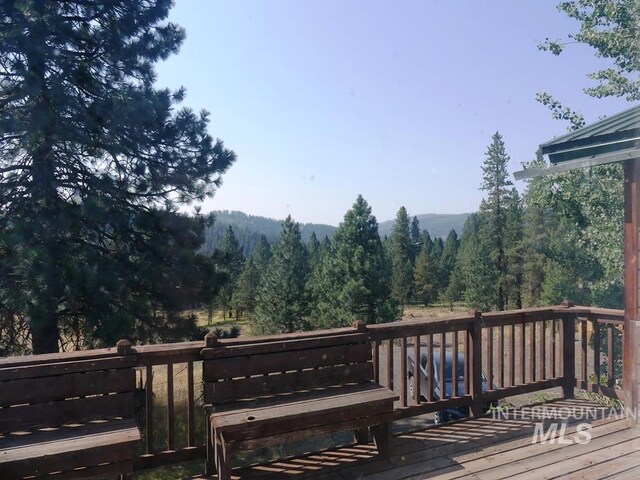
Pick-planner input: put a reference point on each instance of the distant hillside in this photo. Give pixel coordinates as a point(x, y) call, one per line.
point(437, 224)
point(248, 229)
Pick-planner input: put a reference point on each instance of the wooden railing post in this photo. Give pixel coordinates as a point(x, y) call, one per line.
point(568, 352)
point(475, 357)
point(123, 347)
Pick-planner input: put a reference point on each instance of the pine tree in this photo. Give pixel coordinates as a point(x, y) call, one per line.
point(283, 304)
point(476, 267)
point(495, 183)
point(92, 157)
point(455, 289)
point(416, 239)
point(514, 250)
point(246, 288)
point(261, 254)
point(313, 251)
point(353, 279)
point(437, 249)
point(448, 259)
point(425, 278)
point(229, 253)
point(535, 235)
point(401, 254)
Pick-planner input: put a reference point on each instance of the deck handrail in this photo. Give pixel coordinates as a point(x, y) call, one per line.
point(517, 351)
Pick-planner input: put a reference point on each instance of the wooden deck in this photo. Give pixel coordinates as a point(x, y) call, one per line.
point(484, 448)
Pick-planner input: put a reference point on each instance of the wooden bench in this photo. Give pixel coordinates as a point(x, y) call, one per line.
point(276, 392)
point(68, 416)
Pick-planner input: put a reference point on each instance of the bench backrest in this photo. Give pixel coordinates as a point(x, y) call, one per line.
point(244, 372)
point(67, 392)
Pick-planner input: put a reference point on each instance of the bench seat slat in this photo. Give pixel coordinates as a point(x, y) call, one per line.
point(293, 436)
point(292, 409)
point(221, 392)
point(26, 417)
point(60, 387)
point(51, 456)
point(307, 419)
point(282, 346)
point(11, 372)
point(233, 367)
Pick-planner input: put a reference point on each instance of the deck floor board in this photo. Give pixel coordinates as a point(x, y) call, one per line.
point(484, 448)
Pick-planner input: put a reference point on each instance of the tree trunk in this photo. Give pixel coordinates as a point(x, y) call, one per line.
point(44, 333)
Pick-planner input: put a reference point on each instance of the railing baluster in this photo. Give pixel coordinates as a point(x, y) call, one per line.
point(596, 349)
point(454, 364)
point(443, 362)
point(552, 346)
point(149, 410)
point(191, 442)
point(543, 350)
point(430, 369)
point(532, 352)
point(403, 371)
point(467, 364)
point(390, 364)
point(501, 357)
point(583, 343)
point(512, 356)
point(416, 370)
point(170, 409)
point(489, 332)
point(376, 361)
point(611, 380)
point(523, 349)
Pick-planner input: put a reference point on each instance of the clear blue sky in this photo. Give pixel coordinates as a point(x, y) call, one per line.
point(397, 100)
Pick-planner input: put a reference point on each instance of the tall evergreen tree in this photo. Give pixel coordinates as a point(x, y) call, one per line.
point(514, 250)
point(536, 235)
point(229, 253)
point(401, 258)
point(425, 278)
point(353, 281)
point(496, 184)
point(313, 251)
point(477, 270)
point(89, 152)
point(448, 259)
point(245, 292)
point(283, 304)
point(416, 239)
point(261, 254)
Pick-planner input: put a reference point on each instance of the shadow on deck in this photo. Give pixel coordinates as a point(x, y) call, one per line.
point(486, 448)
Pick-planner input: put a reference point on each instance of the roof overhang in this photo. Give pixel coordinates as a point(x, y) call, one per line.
point(590, 161)
point(611, 140)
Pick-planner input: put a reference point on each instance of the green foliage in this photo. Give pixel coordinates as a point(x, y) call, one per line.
point(353, 279)
point(246, 288)
point(416, 239)
point(612, 28)
point(425, 279)
point(283, 304)
point(514, 250)
point(493, 216)
point(249, 229)
point(401, 258)
point(448, 259)
point(93, 158)
point(476, 266)
point(230, 260)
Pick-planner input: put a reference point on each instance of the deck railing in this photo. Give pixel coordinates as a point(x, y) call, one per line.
point(503, 354)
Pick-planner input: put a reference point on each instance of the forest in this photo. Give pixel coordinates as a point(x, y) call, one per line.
point(561, 239)
point(98, 166)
